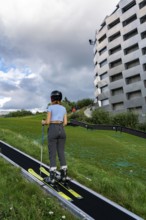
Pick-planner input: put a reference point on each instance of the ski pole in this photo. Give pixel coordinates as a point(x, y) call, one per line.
point(42, 144)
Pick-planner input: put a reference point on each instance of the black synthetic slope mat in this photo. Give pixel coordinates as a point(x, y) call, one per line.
point(90, 204)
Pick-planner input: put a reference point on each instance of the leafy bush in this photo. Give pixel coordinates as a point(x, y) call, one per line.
point(119, 119)
point(127, 119)
point(79, 116)
point(132, 119)
point(142, 127)
point(83, 103)
point(100, 116)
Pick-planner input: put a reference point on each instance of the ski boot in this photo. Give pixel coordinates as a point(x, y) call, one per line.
point(64, 178)
point(51, 179)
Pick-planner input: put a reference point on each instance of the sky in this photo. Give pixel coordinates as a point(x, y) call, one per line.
point(44, 46)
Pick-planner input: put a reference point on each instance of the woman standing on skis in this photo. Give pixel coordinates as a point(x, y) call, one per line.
point(56, 119)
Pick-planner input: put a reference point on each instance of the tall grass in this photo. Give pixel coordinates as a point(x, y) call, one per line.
point(110, 163)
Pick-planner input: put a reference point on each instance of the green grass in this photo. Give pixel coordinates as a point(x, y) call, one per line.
point(23, 200)
point(110, 163)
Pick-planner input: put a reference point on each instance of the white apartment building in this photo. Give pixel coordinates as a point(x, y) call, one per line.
point(120, 59)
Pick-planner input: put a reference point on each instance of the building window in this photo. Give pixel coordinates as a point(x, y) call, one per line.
point(116, 77)
point(115, 22)
point(115, 49)
point(130, 34)
point(104, 62)
point(129, 20)
point(143, 19)
point(131, 49)
point(104, 102)
point(143, 35)
point(114, 36)
point(142, 4)
point(102, 50)
point(134, 95)
point(118, 106)
point(102, 38)
point(144, 51)
point(144, 66)
point(128, 6)
point(117, 91)
point(133, 79)
point(104, 89)
point(103, 76)
point(115, 63)
point(132, 63)
point(136, 110)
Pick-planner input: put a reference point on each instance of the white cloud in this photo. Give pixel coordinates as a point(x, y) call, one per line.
point(3, 100)
point(44, 46)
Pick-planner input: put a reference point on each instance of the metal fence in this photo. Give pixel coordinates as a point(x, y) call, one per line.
point(109, 127)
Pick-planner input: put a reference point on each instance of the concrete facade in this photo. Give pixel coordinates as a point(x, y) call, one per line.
point(120, 59)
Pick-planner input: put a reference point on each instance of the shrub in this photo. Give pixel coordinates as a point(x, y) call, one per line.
point(132, 119)
point(83, 103)
point(79, 116)
point(119, 119)
point(142, 127)
point(127, 119)
point(100, 116)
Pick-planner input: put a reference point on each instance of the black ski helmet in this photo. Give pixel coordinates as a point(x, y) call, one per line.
point(56, 96)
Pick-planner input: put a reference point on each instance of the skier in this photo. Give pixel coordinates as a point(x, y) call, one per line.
point(56, 119)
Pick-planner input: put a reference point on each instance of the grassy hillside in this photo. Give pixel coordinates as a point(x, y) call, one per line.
point(20, 199)
point(110, 163)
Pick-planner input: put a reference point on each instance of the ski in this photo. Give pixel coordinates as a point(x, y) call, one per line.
point(75, 194)
point(32, 172)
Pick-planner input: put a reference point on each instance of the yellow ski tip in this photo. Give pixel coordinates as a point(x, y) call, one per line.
point(43, 170)
point(32, 172)
point(65, 196)
point(75, 194)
